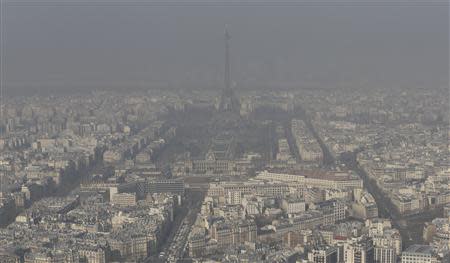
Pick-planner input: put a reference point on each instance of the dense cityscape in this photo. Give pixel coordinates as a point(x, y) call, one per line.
point(231, 174)
point(298, 176)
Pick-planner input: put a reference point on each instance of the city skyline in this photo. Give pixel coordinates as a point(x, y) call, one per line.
point(170, 132)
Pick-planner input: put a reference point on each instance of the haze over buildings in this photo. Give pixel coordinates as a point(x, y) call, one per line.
point(175, 45)
point(224, 132)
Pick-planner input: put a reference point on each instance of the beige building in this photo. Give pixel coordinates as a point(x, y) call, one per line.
point(124, 199)
point(92, 255)
point(313, 178)
point(420, 254)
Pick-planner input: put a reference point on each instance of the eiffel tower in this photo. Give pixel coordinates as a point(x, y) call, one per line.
point(228, 100)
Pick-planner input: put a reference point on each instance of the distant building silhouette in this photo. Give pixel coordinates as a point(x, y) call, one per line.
point(228, 100)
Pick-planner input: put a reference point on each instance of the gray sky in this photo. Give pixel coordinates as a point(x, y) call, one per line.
point(182, 46)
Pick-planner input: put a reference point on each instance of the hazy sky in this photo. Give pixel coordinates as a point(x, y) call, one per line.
point(179, 45)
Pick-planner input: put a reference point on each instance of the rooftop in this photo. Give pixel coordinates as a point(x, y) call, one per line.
point(419, 249)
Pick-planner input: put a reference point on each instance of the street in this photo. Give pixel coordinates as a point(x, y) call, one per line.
point(174, 247)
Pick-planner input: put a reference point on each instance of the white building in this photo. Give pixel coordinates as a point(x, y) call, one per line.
point(419, 254)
